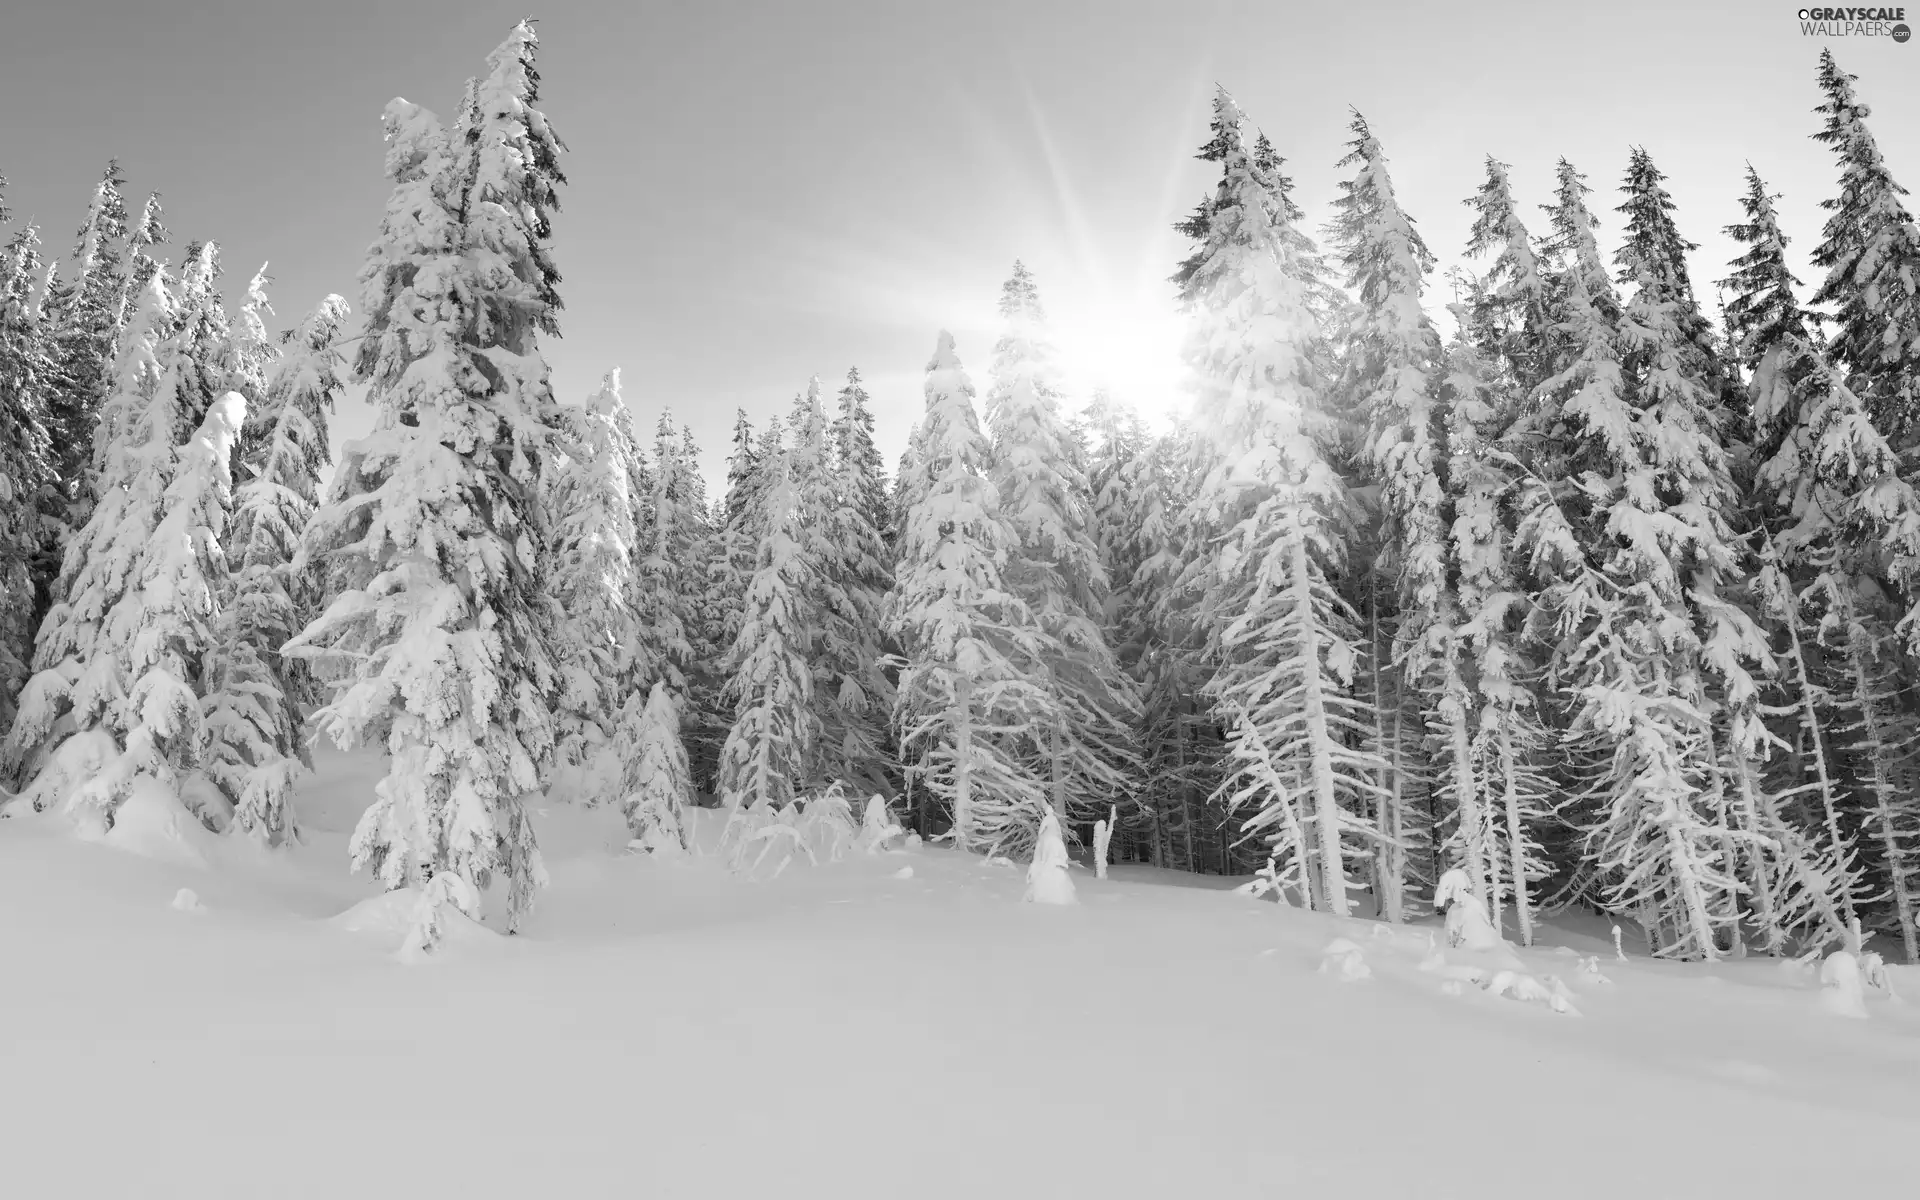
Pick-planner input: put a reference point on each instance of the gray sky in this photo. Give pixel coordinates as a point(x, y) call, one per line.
point(764, 191)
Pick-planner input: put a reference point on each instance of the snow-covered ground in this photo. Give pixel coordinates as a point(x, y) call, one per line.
point(861, 1030)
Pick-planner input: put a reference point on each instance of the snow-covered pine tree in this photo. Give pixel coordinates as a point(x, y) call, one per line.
point(204, 335)
point(77, 682)
point(1837, 514)
point(1056, 568)
point(840, 493)
point(769, 753)
point(1510, 314)
point(591, 558)
point(858, 465)
point(27, 455)
point(435, 511)
point(1870, 249)
point(85, 317)
point(658, 786)
point(1652, 243)
point(1395, 375)
point(164, 633)
point(1508, 735)
point(138, 268)
point(665, 596)
point(251, 355)
point(1280, 635)
point(256, 701)
point(124, 655)
point(971, 650)
point(1634, 548)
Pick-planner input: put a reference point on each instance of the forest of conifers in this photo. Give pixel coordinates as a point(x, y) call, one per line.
point(1589, 594)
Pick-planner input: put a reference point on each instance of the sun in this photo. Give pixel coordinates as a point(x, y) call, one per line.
point(1130, 348)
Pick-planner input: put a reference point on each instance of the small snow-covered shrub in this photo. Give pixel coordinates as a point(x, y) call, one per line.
point(826, 822)
point(1047, 878)
point(877, 826)
point(1843, 987)
point(1345, 961)
point(1468, 925)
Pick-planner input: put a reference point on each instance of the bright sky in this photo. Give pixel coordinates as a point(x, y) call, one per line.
point(764, 191)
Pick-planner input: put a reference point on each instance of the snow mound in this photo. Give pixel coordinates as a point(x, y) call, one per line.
point(1345, 961)
point(187, 901)
point(398, 915)
point(904, 873)
point(153, 823)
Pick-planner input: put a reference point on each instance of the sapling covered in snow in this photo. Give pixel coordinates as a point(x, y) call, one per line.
point(877, 826)
point(658, 787)
point(1048, 881)
point(1468, 926)
point(1102, 838)
point(1843, 989)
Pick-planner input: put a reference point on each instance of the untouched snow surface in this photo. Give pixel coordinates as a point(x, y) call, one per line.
point(894, 1025)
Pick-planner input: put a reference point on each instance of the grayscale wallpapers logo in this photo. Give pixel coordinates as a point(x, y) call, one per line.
point(1855, 22)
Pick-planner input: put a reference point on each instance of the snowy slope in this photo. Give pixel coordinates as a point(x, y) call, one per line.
point(667, 1031)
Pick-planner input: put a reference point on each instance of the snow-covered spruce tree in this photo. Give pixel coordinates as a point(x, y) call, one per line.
point(1508, 735)
point(769, 752)
point(126, 653)
point(858, 465)
point(1056, 569)
point(665, 584)
point(1870, 249)
point(78, 684)
point(1837, 514)
point(137, 269)
point(730, 567)
point(971, 650)
point(658, 787)
point(85, 316)
point(1652, 244)
point(204, 335)
point(256, 701)
point(27, 462)
point(1395, 374)
point(1633, 549)
point(846, 580)
point(440, 625)
point(590, 565)
point(1281, 637)
point(854, 650)
point(165, 631)
point(1510, 314)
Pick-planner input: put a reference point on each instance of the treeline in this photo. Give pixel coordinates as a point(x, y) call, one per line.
point(1594, 597)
